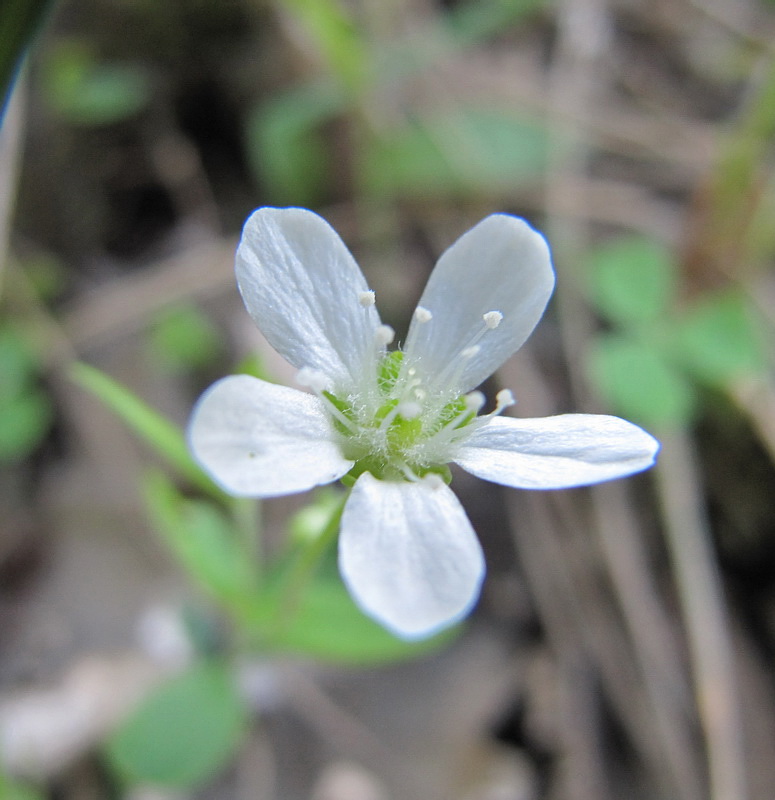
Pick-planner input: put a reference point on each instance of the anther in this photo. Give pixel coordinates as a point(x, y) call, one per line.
point(505, 397)
point(433, 481)
point(492, 319)
point(474, 401)
point(409, 409)
point(312, 378)
point(366, 299)
point(384, 335)
point(422, 314)
point(469, 352)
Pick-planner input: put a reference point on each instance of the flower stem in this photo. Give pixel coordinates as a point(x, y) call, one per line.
point(298, 575)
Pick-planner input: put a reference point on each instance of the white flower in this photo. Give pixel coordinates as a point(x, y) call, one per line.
point(392, 421)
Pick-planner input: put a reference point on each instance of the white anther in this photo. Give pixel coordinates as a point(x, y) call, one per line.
point(433, 481)
point(470, 352)
point(492, 319)
point(420, 394)
point(422, 314)
point(384, 335)
point(409, 409)
point(474, 401)
point(312, 378)
point(366, 299)
point(504, 399)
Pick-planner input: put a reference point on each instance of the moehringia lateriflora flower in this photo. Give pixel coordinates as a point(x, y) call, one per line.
point(388, 422)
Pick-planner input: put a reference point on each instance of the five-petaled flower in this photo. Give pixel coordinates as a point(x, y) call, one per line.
point(389, 422)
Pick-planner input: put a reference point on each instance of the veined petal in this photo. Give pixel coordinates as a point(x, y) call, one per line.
point(256, 439)
point(409, 555)
point(305, 292)
point(501, 265)
point(557, 452)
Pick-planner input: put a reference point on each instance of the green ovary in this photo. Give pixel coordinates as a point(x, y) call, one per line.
point(385, 443)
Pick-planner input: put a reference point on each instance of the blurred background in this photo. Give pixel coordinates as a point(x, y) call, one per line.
point(623, 646)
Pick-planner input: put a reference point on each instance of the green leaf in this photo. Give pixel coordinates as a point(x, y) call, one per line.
point(719, 340)
point(466, 150)
point(473, 21)
point(285, 145)
point(184, 733)
point(632, 279)
point(90, 93)
point(11, 790)
point(24, 422)
point(327, 625)
point(184, 338)
point(157, 431)
point(639, 383)
point(203, 540)
point(337, 37)
point(18, 366)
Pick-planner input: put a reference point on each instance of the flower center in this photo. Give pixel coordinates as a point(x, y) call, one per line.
point(398, 423)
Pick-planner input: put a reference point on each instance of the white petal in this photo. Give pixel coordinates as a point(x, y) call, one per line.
point(304, 290)
point(502, 265)
point(409, 555)
point(256, 439)
point(557, 452)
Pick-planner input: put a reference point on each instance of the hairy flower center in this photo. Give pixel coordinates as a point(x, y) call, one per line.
point(397, 424)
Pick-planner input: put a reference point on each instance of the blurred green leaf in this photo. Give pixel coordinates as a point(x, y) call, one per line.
point(718, 339)
point(26, 412)
point(203, 540)
point(184, 338)
point(285, 145)
point(473, 21)
point(326, 624)
point(24, 422)
point(18, 367)
point(184, 733)
point(11, 790)
point(159, 433)
point(90, 93)
point(19, 20)
point(639, 383)
point(467, 150)
point(632, 279)
point(338, 39)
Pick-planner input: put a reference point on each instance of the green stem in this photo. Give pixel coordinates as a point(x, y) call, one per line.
point(301, 571)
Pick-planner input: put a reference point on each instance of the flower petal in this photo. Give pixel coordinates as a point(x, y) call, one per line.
point(256, 439)
point(502, 265)
point(557, 452)
point(305, 292)
point(409, 555)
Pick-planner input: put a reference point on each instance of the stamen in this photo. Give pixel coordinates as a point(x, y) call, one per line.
point(409, 409)
point(313, 379)
point(384, 335)
point(504, 399)
point(422, 314)
point(474, 402)
point(469, 352)
point(434, 481)
point(492, 319)
point(366, 299)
